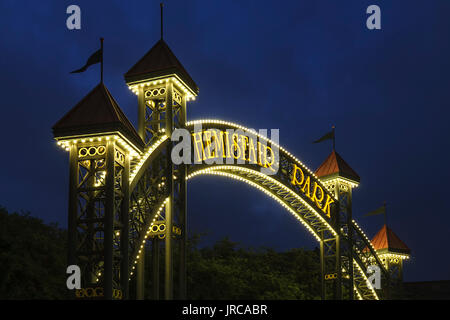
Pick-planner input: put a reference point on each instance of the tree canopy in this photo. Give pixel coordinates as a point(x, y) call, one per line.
point(33, 262)
point(32, 258)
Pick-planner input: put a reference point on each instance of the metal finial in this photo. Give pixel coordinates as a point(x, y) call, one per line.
point(101, 61)
point(334, 138)
point(161, 5)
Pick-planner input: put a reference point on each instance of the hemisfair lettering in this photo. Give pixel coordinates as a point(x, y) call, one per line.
point(216, 144)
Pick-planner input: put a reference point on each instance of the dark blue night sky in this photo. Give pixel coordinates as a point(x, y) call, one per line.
point(300, 66)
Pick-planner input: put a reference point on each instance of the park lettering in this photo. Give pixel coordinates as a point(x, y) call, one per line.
point(315, 192)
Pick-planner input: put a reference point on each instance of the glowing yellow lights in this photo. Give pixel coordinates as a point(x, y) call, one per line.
point(216, 170)
point(393, 256)
point(358, 294)
point(363, 234)
point(161, 207)
point(245, 129)
point(369, 285)
point(145, 156)
point(190, 94)
point(124, 143)
point(304, 210)
point(325, 207)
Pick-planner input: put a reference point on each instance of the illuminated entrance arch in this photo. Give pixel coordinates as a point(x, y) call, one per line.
point(280, 188)
point(125, 190)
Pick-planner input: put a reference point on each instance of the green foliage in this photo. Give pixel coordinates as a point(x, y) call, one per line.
point(32, 258)
point(228, 272)
point(33, 265)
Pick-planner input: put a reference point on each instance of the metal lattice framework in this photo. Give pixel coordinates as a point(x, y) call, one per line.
point(98, 231)
point(150, 192)
point(124, 191)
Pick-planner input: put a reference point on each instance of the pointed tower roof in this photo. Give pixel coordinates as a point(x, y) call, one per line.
point(158, 62)
point(97, 112)
point(387, 240)
point(334, 165)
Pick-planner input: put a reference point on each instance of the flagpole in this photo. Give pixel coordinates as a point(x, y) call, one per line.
point(385, 214)
point(101, 61)
point(161, 5)
point(334, 139)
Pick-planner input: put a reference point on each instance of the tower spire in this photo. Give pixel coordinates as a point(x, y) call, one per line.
point(161, 6)
point(101, 61)
point(385, 213)
point(334, 138)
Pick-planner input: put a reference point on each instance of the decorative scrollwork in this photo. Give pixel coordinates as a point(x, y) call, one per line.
point(154, 92)
point(120, 157)
point(91, 151)
point(177, 96)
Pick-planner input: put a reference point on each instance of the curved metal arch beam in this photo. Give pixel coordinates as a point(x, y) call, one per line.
point(148, 156)
point(281, 193)
point(154, 150)
point(225, 172)
point(143, 237)
point(233, 125)
point(146, 159)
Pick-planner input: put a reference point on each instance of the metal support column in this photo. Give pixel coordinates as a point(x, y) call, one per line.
point(141, 113)
point(338, 259)
point(73, 204)
point(338, 281)
point(108, 221)
point(183, 213)
point(322, 267)
point(350, 242)
point(140, 275)
point(168, 282)
point(155, 268)
point(168, 285)
point(124, 235)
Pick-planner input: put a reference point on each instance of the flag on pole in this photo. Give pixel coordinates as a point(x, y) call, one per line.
point(380, 210)
point(96, 57)
point(327, 136)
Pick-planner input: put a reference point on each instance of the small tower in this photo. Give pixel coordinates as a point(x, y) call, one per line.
point(340, 179)
point(159, 80)
point(101, 142)
point(163, 88)
point(334, 171)
point(392, 252)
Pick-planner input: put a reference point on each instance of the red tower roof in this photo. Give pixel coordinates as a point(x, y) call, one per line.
point(159, 61)
point(335, 165)
point(97, 112)
point(387, 240)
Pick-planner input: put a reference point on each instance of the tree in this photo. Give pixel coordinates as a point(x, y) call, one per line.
point(32, 258)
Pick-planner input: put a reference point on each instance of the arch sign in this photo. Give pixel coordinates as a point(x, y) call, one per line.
point(237, 145)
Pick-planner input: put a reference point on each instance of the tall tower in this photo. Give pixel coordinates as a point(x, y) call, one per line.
point(101, 142)
point(163, 87)
point(340, 179)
